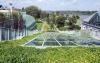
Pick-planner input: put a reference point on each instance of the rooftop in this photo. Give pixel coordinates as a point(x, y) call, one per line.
point(94, 19)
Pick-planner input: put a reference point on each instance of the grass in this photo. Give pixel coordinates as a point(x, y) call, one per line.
point(12, 52)
point(85, 37)
point(15, 43)
point(39, 25)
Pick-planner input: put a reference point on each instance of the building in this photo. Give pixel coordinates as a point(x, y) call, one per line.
point(92, 25)
point(15, 25)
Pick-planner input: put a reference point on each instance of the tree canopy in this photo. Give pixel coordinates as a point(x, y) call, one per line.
point(33, 11)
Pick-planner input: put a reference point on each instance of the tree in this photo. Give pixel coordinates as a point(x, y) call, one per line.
point(77, 17)
point(23, 9)
point(33, 11)
point(56, 21)
point(44, 15)
point(18, 21)
point(72, 23)
point(2, 19)
point(1, 6)
point(60, 20)
point(77, 27)
point(51, 21)
point(45, 27)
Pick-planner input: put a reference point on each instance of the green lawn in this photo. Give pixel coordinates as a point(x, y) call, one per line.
point(12, 52)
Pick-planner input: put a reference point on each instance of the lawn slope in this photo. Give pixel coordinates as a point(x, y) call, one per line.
point(12, 52)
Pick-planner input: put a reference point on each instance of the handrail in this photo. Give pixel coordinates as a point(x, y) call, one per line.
point(92, 25)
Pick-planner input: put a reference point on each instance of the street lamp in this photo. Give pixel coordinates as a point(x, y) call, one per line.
point(10, 7)
point(11, 15)
point(11, 21)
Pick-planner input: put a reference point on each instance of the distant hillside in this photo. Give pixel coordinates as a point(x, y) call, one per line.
point(73, 12)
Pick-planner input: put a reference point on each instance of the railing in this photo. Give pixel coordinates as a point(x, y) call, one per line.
point(12, 34)
point(94, 26)
point(9, 33)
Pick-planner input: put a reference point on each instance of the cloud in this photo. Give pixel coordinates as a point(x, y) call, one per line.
point(40, 0)
point(71, 1)
point(74, 1)
point(56, 4)
point(68, 2)
point(61, 2)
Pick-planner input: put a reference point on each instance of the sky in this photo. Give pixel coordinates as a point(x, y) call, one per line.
point(54, 5)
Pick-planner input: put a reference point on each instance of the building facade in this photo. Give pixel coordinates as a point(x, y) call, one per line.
point(15, 25)
point(92, 25)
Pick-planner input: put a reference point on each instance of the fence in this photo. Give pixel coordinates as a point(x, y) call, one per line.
point(12, 34)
